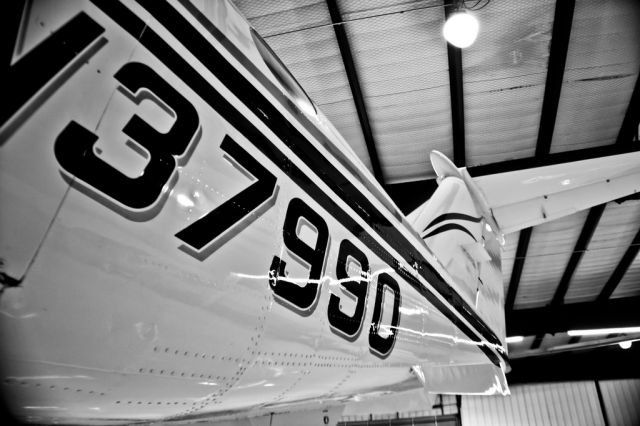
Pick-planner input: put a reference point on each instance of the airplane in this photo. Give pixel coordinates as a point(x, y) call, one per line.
point(186, 237)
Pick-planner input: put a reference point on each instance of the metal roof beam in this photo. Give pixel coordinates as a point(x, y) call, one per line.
point(608, 362)
point(629, 126)
point(354, 84)
point(590, 224)
point(518, 265)
point(622, 312)
point(454, 55)
point(621, 269)
point(589, 227)
point(560, 35)
point(537, 341)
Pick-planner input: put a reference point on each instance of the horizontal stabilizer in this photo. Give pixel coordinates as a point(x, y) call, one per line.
point(529, 197)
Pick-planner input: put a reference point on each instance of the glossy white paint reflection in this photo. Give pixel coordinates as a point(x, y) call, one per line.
point(626, 344)
point(454, 339)
point(327, 279)
point(184, 201)
point(413, 311)
point(306, 107)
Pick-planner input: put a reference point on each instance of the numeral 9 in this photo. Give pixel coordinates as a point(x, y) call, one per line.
point(349, 326)
point(302, 299)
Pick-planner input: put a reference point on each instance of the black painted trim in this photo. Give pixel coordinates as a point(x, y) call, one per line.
point(36, 68)
point(560, 36)
point(254, 100)
point(354, 84)
point(450, 227)
point(452, 216)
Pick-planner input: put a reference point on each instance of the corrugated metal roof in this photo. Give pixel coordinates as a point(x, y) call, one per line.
point(504, 76)
point(549, 250)
point(301, 34)
point(601, 71)
point(616, 229)
point(402, 65)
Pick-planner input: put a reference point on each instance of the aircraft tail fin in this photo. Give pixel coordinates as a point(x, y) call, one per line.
point(463, 237)
point(465, 220)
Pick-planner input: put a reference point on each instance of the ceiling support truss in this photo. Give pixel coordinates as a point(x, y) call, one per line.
point(560, 36)
point(454, 55)
point(621, 270)
point(608, 362)
point(356, 90)
point(518, 265)
point(589, 227)
point(611, 313)
point(629, 127)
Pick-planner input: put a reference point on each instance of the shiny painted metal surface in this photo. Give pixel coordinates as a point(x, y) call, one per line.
point(115, 319)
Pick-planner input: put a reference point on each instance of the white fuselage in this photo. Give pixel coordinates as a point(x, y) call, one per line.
point(224, 253)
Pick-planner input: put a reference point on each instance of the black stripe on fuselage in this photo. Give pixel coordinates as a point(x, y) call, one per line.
point(452, 216)
point(450, 227)
point(334, 179)
point(254, 100)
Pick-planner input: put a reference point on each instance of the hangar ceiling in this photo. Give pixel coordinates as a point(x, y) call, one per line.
point(546, 82)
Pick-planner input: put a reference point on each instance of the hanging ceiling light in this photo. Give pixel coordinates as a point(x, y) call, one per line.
point(461, 29)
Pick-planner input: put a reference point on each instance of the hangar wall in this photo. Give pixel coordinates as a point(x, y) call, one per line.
point(607, 403)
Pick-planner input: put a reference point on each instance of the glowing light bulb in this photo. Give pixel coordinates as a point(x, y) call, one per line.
point(461, 29)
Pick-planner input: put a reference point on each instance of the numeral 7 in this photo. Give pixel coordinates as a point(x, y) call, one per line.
point(211, 231)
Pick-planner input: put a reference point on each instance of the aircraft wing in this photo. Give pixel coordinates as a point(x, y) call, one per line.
point(524, 198)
